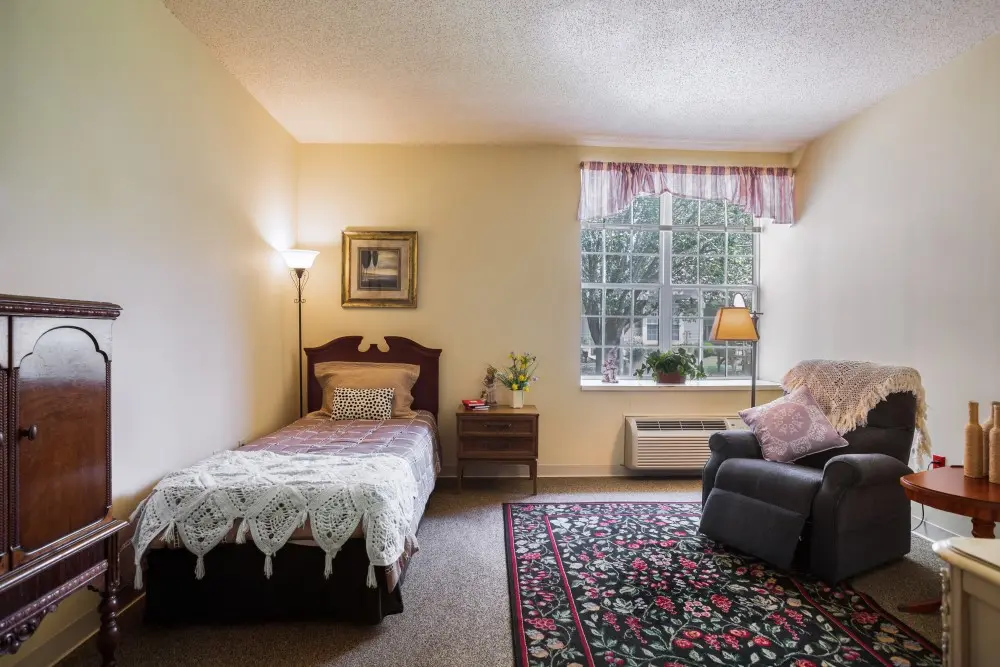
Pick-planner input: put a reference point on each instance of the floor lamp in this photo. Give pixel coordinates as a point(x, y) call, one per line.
point(299, 262)
point(737, 323)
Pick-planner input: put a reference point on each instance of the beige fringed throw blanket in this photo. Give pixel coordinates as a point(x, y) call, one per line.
point(848, 390)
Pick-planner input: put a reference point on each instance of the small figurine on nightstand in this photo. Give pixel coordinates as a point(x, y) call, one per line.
point(609, 369)
point(489, 394)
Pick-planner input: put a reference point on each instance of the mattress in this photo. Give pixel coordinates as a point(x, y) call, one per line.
point(415, 440)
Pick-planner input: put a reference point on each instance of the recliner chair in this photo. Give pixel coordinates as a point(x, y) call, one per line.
point(836, 513)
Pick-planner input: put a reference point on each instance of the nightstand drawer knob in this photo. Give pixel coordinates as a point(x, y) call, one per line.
point(500, 426)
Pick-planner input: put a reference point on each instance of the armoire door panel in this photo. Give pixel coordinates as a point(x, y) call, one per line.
point(25, 332)
point(60, 437)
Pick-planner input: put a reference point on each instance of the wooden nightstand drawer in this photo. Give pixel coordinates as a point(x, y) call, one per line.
point(501, 434)
point(473, 446)
point(500, 425)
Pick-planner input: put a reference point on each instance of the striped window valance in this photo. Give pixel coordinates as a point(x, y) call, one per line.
point(607, 188)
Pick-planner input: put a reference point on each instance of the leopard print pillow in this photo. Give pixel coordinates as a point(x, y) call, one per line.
point(369, 404)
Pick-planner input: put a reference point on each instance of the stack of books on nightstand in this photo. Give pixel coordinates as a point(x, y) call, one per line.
point(474, 404)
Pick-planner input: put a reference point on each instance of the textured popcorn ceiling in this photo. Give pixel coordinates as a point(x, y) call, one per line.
point(760, 74)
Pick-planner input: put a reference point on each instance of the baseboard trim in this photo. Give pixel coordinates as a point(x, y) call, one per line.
point(931, 531)
point(63, 642)
point(497, 470)
point(72, 637)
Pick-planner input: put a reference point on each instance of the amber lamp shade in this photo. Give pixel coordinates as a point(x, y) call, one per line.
point(733, 324)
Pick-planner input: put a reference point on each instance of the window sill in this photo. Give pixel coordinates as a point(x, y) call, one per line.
point(632, 384)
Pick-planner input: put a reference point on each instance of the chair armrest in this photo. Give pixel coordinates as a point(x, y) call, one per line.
point(735, 445)
point(853, 470)
point(726, 445)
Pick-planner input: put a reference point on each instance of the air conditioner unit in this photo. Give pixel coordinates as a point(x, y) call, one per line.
point(672, 443)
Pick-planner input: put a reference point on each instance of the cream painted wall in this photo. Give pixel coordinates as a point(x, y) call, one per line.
point(135, 169)
point(895, 256)
point(499, 270)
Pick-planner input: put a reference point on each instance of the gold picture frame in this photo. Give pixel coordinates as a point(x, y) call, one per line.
point(379, 269)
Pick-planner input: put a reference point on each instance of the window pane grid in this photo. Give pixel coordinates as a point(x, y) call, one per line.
point(637, 279)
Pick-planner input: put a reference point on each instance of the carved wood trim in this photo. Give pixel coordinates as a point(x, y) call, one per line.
point(29, 330)
point(20, 556)
point(4, 342)
point(107, 416)
point(39, 306)
point(19, 626)
point(36, 566)
point(13, 488)
point(4, 464)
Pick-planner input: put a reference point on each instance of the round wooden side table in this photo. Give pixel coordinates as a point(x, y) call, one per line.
point(950, 490)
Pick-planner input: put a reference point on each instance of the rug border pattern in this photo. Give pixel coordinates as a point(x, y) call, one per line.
point(520, 649)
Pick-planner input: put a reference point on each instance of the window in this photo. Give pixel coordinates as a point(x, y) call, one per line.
point(639, 282)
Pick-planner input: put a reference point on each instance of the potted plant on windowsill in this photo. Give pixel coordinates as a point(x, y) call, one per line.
point(672, 366)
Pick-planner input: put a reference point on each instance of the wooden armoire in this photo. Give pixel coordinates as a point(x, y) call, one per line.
point(57, 534)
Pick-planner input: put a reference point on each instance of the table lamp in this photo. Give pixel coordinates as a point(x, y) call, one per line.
point(299, 262)
point(737, 324)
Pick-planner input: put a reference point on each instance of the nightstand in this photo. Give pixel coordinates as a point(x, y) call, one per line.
point(499, 435)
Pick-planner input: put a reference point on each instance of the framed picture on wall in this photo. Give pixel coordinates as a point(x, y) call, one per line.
point(379, 269)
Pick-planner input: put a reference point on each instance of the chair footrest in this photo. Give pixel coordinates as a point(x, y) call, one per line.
point(766, 531)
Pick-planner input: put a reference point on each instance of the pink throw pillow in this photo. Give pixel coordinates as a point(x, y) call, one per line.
point(791, 427)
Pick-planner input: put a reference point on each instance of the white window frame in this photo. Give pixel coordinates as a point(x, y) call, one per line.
point(665, 287)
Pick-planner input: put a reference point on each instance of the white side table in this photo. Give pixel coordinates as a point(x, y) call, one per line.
point(970, 609)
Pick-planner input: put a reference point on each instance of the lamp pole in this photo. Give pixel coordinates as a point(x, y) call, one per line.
point(300, 277)
point(755, 317)
point(299, 262)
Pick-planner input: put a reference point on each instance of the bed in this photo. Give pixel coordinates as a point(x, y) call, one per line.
point(234, 587)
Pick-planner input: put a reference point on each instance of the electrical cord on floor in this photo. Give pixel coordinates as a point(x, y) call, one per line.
point(923, 517)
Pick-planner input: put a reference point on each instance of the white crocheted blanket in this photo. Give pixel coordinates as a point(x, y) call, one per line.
point(848, 390)
point(273, 494)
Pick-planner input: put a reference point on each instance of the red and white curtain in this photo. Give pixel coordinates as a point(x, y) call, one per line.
point(607, 188)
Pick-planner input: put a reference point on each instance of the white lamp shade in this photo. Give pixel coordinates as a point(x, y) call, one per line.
point(299, 259)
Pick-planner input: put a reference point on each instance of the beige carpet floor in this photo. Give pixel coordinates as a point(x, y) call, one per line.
point(455, 593)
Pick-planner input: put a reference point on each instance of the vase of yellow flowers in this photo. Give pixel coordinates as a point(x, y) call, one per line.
point(517, 376)
point(517, 398)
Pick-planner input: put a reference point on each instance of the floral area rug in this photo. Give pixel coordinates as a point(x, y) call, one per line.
point(634, 584)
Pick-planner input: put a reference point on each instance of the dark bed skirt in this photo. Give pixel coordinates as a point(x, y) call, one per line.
point(235, 590)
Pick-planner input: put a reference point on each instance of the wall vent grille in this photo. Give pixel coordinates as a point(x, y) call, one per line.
point(671, 443)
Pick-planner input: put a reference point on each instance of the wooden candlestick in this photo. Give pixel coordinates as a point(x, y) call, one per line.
point(974, 464)
point(995, 446)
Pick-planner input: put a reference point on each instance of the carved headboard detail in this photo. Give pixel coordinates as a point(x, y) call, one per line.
point(401, 351)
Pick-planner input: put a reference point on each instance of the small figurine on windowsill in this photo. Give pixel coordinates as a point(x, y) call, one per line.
point(489, 394)
point(609, 369)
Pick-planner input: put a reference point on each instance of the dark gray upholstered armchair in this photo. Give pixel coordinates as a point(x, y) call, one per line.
point(835, 514)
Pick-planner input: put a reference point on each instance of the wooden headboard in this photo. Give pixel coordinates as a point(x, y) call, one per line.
point(401, 351)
